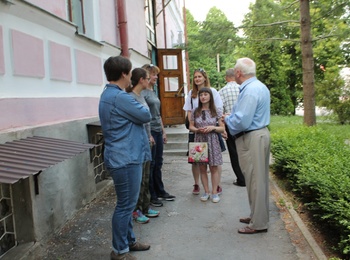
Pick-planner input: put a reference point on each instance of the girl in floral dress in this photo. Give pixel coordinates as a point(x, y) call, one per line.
point(203, 123)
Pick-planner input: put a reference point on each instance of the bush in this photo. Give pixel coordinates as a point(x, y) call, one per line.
point(315, 160)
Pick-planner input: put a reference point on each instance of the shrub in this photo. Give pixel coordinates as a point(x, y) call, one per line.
point(315, 160)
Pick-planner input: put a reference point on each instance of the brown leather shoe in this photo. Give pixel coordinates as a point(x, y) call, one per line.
point(248, 230)
point(125, 256)
point(245, 220)
point(139, 247)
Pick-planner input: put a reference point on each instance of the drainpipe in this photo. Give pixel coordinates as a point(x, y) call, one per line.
point(186, 51)
point(123, 29)
point(164, 23)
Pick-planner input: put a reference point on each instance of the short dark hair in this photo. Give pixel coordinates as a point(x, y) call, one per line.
point(115, 66)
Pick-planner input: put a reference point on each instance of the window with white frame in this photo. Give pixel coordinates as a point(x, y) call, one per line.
point(149, 14)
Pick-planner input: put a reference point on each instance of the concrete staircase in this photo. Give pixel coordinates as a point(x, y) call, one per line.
point(177, 140)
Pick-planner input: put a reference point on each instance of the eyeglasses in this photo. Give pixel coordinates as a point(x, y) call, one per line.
point(203, 115)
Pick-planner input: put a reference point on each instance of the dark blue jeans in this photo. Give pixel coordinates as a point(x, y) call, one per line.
point(156, 185)
point(127, 182)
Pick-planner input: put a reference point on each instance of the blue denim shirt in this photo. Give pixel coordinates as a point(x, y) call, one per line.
point(252, 109)
point(122, 119)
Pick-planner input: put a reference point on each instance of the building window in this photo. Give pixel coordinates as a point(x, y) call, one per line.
point(76, 14)
point(150, 24)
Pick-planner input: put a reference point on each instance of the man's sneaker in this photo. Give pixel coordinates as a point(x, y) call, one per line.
point(205, 197)
point(151, 213)
point(215, 198)
point(139, 217)
point(196, 189)
point(156, 203)
point(219, 190)
point(167, 197)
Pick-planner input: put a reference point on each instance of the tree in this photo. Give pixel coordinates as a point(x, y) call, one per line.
point(272, 37)
point(207, 39)
point(308, 64)
point(261, 46)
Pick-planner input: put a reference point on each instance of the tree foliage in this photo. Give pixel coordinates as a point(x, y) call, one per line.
point(209, 40)
point(270, 35)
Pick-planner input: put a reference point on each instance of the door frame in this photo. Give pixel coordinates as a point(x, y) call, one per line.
point(171, 99)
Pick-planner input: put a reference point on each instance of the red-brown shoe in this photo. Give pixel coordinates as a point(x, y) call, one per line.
point(196, 189)
point(249, 231)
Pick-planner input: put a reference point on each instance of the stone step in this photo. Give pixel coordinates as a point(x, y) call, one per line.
point(177, 152)
point(177, 144)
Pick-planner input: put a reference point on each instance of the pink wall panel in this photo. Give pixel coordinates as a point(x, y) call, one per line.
point(2, 58)
point(60, 62)
point(28, 55)
point(57, 7)
point(89, 68)
point(25, 112)
point(108, 16)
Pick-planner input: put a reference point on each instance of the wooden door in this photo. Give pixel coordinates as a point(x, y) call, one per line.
point(171, 86)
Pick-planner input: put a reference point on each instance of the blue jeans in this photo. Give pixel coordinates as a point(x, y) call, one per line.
point(127, 183)
point(156, 182)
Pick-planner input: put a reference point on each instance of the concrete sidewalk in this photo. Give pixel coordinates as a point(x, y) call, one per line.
point(186, 228)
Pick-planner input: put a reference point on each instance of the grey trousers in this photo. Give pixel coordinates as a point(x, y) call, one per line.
point(253, 151)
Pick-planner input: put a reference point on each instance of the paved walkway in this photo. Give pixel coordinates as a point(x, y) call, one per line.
point(186, 228)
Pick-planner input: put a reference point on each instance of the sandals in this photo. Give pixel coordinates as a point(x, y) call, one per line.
point(248, 230)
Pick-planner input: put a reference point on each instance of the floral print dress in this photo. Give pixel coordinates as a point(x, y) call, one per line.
point(214, 149)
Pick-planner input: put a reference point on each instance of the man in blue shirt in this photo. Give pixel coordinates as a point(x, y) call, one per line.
point(247, 123)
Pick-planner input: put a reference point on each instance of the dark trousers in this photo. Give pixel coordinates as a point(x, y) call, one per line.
point(231, 146)
point(156, 186)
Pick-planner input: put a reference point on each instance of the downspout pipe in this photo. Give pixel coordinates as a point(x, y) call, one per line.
point(164, 24)
point(123, 28)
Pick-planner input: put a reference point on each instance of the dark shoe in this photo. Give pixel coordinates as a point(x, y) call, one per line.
point(137, 246)
point(238, 184)
point(125, 256)
point(156, 203)
point(249, 231)
point(167, 197)
point(245, 220)
point(196, 189)
point(219, 190)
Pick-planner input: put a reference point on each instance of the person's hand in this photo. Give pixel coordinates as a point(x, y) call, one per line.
point(201, 130)
point(224, 135)
point(225, 115)
point(165, 139)
point(151, 141)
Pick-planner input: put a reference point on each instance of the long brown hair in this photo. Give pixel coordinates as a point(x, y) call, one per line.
point(195, 87)
point(212, 107)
